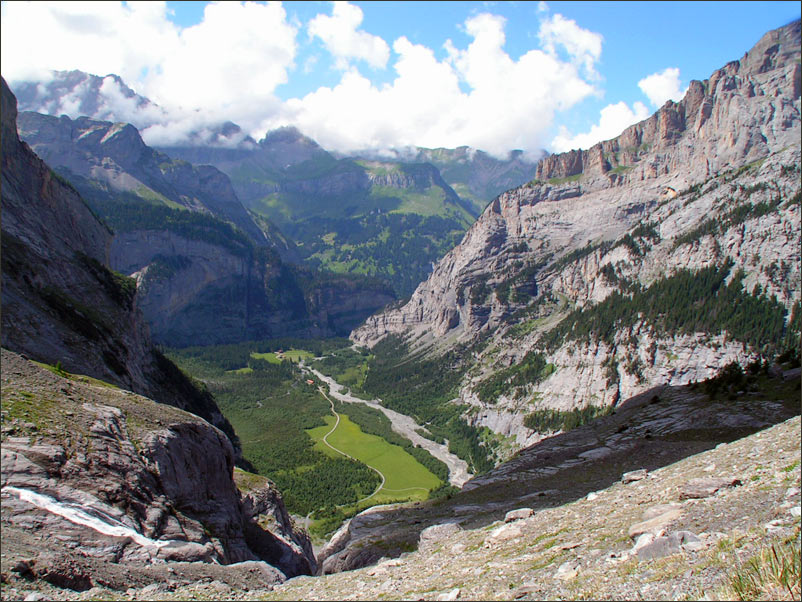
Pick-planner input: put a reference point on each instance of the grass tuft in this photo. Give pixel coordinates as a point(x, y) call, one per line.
point(772, 574)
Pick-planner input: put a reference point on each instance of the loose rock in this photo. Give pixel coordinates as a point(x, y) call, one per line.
point(634, 475)
point(518, 514)
point(705, 487)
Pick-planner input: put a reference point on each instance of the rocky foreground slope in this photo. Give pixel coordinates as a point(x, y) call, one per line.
point(708, 186)
point(665, 499)
point(101, 486)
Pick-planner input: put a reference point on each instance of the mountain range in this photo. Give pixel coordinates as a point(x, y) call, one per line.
point(389, 215)
point(654, 258)
point(612, 348)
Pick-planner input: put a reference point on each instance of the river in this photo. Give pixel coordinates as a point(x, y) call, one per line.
point(405, 426)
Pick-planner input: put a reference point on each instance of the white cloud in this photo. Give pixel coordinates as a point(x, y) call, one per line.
point(613, 120)
point(508, 103)
point(97, 37)
point(228, 67)
point(344, 41)
point(582, 46)
point(663, 86)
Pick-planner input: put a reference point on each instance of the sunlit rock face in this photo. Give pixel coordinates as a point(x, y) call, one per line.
point(629, 210)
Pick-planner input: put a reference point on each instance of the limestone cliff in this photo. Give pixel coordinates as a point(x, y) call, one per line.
point(712, 180)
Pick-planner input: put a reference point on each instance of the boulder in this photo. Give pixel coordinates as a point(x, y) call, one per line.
point(434, 535)
point(518, 514)
point(634, 475)
point(705, 487)
point(667, 545)
point(655, 523)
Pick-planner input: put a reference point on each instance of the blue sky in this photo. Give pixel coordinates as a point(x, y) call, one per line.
point(494, 75)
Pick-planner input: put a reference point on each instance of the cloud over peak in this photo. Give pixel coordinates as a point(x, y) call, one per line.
point(476, 95)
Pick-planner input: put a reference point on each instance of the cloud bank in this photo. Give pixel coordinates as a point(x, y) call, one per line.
point(200, 76)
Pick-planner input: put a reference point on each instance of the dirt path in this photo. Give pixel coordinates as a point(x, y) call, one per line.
point(406, 427)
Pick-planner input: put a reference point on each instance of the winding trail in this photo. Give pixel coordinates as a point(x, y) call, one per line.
point(402, 424)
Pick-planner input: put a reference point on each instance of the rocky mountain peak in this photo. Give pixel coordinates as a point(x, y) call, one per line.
point(704, 138)
point(287, 135)
point(78, 93)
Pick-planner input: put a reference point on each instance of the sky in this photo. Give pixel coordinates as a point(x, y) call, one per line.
point(353, 76)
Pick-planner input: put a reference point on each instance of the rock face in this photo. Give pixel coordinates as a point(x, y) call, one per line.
point(712, 180)
point(192, 291)
point(123, 479)
point(199, 280)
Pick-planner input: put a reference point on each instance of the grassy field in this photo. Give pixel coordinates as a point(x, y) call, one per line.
point(405, 477)
point(275, 357)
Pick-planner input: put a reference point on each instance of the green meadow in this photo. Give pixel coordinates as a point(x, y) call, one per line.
point(405, 477)
point(276, 357)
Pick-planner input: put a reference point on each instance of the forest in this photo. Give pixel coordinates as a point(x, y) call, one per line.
point(424, 387)
point(270, 405)
point(687, 302)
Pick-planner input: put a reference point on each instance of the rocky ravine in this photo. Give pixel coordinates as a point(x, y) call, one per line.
point(662, 197)
point(596, 547)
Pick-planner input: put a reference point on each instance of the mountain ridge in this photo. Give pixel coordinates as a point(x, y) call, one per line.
point(570, 242)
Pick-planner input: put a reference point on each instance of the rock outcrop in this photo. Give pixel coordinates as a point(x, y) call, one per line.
point(712, 180)
point(122, 479)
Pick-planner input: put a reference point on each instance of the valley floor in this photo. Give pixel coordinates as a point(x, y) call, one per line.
point(406, 427)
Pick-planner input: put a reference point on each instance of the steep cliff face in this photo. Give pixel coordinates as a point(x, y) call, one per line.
point(112, 156)
point(709, 182)
point(120, 478)
point(191, 292)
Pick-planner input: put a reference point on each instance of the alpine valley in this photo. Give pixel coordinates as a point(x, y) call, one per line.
point(240, 369)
